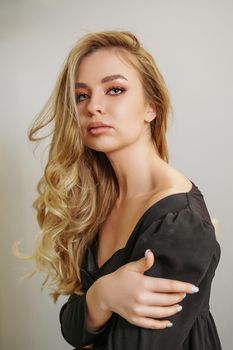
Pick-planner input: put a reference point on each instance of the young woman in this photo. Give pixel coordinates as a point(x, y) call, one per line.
point(108, 195)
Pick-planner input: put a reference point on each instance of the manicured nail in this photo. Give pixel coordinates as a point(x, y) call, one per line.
point(146, 252)
point(169, 324)
point(179, 308)
point(184, 295)
point(195, 289)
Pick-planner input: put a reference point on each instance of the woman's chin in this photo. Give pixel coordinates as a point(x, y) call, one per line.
point(104, 147)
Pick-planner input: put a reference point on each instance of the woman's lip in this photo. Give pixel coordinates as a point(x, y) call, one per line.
point(99, 129)
point(96, 125)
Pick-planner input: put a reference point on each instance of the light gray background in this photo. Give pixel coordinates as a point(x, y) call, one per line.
point(192, 44)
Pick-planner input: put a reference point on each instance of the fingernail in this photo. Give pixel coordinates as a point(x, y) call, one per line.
point(184, 295)
point(179, 308)
point(146, 252)
point(195, 289)
point(169, 324)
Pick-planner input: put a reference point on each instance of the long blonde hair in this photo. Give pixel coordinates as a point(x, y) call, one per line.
point(76, 178)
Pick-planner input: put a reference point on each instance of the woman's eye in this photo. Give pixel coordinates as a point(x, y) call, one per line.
point(116, 88)
point(117, 91)
point(78, 97)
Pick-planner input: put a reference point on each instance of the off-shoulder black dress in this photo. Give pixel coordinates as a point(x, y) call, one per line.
point(179, 231)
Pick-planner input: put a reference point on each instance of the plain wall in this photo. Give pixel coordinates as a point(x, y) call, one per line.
point(191, 42)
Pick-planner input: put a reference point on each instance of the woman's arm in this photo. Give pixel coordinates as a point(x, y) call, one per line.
point(128, 293)
point(77, 326)
point(186, 249)
point(84, 318)
point(97, 314)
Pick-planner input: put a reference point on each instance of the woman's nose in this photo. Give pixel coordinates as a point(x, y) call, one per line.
point(95, 104)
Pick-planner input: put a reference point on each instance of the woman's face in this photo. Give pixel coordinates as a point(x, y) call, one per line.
point(116, 101)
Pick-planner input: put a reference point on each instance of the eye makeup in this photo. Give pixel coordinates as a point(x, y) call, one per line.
point(78, 96)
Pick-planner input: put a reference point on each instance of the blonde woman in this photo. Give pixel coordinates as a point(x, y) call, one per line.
point(108, 195)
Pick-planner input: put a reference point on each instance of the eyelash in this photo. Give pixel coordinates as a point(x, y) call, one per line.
point(111, 88)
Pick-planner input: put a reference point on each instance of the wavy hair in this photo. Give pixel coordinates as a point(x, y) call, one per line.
point(76, 178)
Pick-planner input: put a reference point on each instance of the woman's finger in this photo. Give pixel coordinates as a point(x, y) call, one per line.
point(164, 285)
point(160, 299)
point(159, 311)
point(151, 323)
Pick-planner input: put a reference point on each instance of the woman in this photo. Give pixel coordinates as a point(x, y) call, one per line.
point(108, 194)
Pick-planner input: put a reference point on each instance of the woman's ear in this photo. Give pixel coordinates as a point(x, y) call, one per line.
point(150, 112)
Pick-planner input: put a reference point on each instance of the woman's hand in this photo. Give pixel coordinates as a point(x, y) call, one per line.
point(142, 299)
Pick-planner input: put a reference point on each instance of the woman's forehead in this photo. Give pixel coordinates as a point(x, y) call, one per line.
point(106, 62)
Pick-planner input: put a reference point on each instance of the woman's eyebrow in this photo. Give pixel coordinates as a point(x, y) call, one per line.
point(104, 80)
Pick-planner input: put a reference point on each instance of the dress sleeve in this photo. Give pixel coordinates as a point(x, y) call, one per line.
point(73, 321)
point(184, 246)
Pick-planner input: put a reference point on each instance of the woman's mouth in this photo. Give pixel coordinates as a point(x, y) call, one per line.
point(99, 130)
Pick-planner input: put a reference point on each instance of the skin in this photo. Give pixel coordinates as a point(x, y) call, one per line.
point(127, 144)
point(129, 147)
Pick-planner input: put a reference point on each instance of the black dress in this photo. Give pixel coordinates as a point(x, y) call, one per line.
point(179, 231)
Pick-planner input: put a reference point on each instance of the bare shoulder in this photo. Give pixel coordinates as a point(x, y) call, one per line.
point(179, 184)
